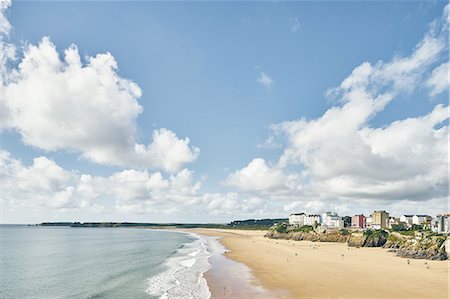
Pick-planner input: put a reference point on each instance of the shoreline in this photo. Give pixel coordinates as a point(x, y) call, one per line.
point(304, 269)
point(223, 277)
point(228, 278)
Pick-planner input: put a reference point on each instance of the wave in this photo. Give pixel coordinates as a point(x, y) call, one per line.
point(183, 277)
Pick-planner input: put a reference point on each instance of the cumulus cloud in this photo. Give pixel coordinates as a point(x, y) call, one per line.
point(143, 192)
point(66, 104)
point(84, 106)
point(344, 160)
point(265, 80)
point(7, 50)
point(313, 207)
point(439, 80)
point(5, 26)
point(178, 194)
point(337, 161)
point(44, 184)
point(342, 143)
point(257, 175)
point(406, 160)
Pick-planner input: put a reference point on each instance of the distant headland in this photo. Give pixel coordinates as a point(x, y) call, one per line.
point(252, 224)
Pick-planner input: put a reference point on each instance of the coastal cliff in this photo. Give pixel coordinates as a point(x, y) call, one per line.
point(416, 245)
point(425, 246)
point(308, 236)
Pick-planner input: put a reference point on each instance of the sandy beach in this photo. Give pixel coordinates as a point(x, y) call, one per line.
point(303, 269)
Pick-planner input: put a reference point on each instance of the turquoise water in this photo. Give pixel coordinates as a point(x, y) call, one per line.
point(64, 262)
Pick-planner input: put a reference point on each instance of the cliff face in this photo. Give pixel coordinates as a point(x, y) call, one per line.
point(356, 240)
point(376, 239)
point(425, 246)
point(310, 236)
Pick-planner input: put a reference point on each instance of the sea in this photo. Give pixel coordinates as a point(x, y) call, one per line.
point(65, 262)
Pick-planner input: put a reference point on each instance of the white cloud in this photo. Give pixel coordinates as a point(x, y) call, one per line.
point(447, 13)
point(256, 176)
point(311, 207)
point(339, 159)
point(87, 107)
point(167, 151)
point(46, 185)
point(143, 192)
point(84, 106)
point(260, 179)
point(439, 80)
point(336, 145)
point(7, 50)
point(294, 25)
point(233, 203)
point(43, 184)
point(265, 80)
point(269, 143)
point(5, 26)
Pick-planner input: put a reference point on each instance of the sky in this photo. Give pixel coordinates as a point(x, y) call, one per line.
point(215, 111)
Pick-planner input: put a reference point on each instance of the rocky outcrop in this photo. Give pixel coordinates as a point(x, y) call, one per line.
point(356, 240)
point(439, 255)
point(423, 245)
point(375, 238)
point(311, 236)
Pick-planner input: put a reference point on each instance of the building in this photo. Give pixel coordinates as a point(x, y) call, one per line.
point(326, 215)
point(347, 221)
point(380, 219)
point(297, 219)
point(336, 222)
point(441, 224)
point(332, 220)
point(369, 221)
point(407, 219)
point(359, 221)
point(312, 220)
point(393, 221)
point(421, 219)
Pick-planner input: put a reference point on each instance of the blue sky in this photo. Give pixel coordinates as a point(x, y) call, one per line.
point(198, 66)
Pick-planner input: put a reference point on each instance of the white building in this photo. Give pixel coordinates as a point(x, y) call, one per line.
point(407, 219)
point(325, 216)
point(336, 222)
point(297, 219)
point(393, 221)
point(312, 220)
point(332, 220)
point(441, 224)
point(369, 221)
point(420, 219)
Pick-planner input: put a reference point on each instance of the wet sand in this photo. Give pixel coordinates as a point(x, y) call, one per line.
point(230, 279)
point(302, 269)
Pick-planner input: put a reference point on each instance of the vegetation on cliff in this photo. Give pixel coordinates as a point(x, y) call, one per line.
point(305, 233)
point(375, 238)
point(418, 245)
point(422, 246)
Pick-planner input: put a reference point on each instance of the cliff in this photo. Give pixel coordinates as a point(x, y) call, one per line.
point(426, 246)
point(423, 245)
point(308, 236)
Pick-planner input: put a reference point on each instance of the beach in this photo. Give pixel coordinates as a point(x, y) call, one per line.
point(303, 269)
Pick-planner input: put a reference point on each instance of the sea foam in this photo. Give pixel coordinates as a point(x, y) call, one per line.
point(183, 277)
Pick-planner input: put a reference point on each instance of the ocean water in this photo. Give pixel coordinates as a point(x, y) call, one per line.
point(64, 262)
